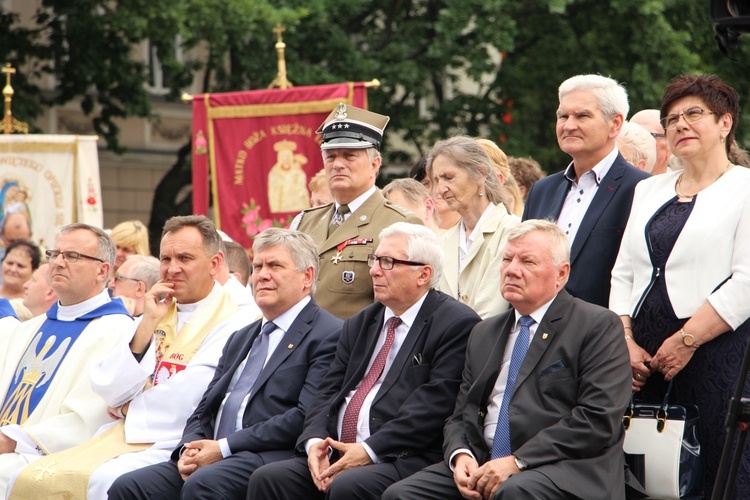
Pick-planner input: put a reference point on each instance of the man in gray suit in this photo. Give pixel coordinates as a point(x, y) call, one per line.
point(545, 385)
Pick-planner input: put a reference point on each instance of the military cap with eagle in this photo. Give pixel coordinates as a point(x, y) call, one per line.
point(348, 127)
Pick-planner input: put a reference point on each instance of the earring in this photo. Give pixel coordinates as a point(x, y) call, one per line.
point(723, 138)
point(481, 194)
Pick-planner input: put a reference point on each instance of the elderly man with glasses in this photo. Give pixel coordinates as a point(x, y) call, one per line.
point(649, 119)
point(379, 412)
point(133, 279)
point(46, 401)
point(154, 380)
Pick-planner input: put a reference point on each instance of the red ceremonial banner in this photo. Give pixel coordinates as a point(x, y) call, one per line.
point(257, 150)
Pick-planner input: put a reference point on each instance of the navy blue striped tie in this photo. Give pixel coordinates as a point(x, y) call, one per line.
point(255, 361)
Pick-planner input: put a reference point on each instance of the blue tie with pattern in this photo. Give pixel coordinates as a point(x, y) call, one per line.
point(501, 441)
point(253, 366)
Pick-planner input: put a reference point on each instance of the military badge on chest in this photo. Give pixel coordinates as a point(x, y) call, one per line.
point(348, 276)
point(339, 255)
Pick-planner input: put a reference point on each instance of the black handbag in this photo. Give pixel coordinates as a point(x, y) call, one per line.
point(662, 448)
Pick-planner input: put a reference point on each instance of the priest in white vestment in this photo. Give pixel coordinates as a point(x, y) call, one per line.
point(46, 401)
point(154, 382)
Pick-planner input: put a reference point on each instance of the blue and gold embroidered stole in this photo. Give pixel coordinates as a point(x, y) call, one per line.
point(43, 356)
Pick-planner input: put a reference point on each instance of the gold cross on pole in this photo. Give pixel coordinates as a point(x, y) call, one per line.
point(279, 29)
point(280, 81)
point(8, 70)
point(10, 124)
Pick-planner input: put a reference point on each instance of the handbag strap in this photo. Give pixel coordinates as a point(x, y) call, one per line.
point(665, 403)
point(661, 414)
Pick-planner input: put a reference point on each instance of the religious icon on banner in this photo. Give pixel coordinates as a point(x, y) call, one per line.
point(14, 198)
point(287, 180)
point(262, 151)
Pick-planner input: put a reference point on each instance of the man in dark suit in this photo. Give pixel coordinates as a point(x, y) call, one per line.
point(591, 199)
point(539, 413)
point(381, 408)
point(253, 410)
point(346, 231)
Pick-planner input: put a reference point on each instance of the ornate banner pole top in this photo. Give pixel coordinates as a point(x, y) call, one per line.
point(280, 81)
point(10, 124)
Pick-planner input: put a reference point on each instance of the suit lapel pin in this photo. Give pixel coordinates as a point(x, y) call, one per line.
point(363, 218)
point(290, 346)
point(544, 336)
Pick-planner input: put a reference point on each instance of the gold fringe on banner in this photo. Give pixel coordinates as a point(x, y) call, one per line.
point(38, 147)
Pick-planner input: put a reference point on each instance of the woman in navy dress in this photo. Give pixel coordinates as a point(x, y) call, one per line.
point(681, 283)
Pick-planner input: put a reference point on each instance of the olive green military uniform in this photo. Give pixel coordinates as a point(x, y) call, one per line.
point(344, 285)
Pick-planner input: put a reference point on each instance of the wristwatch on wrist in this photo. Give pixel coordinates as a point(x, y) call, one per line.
point(688, 339)
point(522, 466)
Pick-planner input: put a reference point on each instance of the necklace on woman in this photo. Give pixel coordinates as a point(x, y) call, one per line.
point(681, 194)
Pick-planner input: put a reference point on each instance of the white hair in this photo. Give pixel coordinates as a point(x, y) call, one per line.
point(301, 248)
point(558, 240)
point(144, 268)
point(422, 245)
point(372, 153)
point(612, 97)
point(636, 143)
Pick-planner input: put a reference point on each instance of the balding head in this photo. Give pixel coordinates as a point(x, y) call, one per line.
point(38, 295)
point(649, 119)
point(15, 227)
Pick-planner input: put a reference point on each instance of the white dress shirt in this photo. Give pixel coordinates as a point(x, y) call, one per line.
point(363, 420)
point(498, 391)
point(496, 396)
point(581, 193)
point(283, 323)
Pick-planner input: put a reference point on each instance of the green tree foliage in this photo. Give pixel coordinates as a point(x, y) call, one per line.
point(482, 67)
point(87, 46)
point(641, 43)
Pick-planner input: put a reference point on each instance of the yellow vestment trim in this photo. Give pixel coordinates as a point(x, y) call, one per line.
point(66, 474)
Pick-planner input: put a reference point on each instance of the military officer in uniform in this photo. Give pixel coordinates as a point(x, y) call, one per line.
point(346, 231)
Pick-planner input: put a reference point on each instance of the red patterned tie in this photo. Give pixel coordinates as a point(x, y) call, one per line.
point(351, 414)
